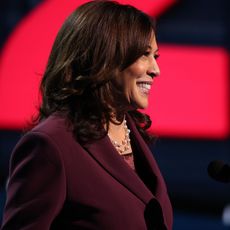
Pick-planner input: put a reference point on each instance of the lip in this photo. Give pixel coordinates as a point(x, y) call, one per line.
point(144, 91)
point(145, 82)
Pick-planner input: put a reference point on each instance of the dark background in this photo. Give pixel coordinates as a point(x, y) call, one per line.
point(198, 201)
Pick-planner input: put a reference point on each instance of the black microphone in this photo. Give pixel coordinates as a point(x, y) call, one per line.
point(220, 171)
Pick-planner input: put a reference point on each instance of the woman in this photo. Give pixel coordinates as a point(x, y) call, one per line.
point(86, 164)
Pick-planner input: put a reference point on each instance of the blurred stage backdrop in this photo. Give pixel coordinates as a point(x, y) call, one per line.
point(189, 105)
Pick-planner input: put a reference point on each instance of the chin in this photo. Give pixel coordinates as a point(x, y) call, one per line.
point(141, 104)
point(143, 107)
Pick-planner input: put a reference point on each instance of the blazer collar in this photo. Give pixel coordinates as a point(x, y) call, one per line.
point(153, 172)
point(147, 156)
point(106, 155)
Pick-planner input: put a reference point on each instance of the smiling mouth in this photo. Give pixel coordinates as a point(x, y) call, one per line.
point(144, 87)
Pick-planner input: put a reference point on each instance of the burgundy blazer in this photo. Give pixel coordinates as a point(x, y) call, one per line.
point(55, 183)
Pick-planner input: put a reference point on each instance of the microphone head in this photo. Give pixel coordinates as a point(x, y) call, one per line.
point(219, 171)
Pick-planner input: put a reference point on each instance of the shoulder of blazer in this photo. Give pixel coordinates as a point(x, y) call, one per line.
point(53, 133)
point(56, 128)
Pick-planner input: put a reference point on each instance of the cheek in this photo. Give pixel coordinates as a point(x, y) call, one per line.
point(129, 81)
point(129, 76)
point(137, 69)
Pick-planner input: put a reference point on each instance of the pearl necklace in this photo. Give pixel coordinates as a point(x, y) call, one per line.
point(125, 144)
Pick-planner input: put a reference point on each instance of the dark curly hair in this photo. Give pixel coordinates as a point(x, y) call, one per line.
point(96, 42)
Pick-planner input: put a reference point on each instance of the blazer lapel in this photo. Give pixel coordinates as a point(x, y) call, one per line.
point(147, 156)
point(103, 151)
point(106, 155)
point(157, 186)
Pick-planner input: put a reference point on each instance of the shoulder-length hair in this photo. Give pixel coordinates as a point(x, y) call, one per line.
point(96, 42)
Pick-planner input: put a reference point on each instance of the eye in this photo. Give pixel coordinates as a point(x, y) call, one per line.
point(156, 56)
point(147, 53)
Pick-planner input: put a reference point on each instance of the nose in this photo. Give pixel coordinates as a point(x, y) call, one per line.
point(153, 70)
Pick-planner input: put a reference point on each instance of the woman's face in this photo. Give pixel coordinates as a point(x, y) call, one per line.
point(137, 79)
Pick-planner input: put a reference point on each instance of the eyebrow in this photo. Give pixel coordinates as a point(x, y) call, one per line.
point(150, 47)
